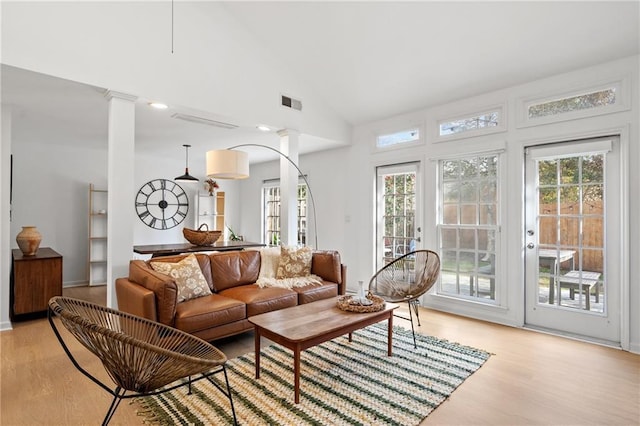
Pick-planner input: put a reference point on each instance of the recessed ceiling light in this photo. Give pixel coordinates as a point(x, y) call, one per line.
point(264, 128)
point(158, 105)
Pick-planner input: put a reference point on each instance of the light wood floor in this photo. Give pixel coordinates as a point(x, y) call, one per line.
point(532, 378)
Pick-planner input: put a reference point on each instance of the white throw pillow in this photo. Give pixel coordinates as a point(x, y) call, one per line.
point(269, 261)
point(187, 275)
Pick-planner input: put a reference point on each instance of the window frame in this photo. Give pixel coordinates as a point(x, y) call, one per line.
point(621, 103)
point(413, 167)
point(496, 228)
point(401, 145)
point(275, 183)
point(499, 108)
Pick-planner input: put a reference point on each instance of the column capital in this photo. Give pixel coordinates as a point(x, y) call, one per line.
point(110, 94)
point(288, 132)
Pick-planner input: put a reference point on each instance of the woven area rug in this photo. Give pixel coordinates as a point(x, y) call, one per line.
point(341, 383)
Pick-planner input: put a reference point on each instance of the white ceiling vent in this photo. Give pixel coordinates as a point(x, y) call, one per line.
point(202, 120)
point(291, 103)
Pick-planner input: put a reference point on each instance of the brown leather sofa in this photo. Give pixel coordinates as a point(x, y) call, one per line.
point(235, 296)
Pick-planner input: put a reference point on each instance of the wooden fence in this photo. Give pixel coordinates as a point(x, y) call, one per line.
point(569, 228)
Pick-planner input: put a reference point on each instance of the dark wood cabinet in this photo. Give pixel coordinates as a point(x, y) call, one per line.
point(34, 280)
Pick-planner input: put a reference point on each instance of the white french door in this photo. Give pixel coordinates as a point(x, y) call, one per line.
point(397, 212)
point(573, 234)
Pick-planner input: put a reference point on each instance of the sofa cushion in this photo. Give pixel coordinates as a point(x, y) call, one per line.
point(230, 269)
point(294, 262)
point(187, 275)
point(201, 313)
point(261, 300)
point(314, 292)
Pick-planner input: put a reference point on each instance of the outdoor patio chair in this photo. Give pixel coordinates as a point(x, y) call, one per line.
point(140, 356)
point(407, 278)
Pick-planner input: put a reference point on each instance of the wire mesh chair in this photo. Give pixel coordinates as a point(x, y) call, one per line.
point(407, 278)
point(140, 356)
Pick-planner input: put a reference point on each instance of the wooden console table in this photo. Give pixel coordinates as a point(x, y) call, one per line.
point(171, 249)
point(34, 280)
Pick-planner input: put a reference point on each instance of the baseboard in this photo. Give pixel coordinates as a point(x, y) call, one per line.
point(577, 337)
point(69, 284)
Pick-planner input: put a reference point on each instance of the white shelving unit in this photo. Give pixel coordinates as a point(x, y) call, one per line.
point(210, 210)
point(97, 256)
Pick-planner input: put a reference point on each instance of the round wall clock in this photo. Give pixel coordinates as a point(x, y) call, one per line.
point(161, 204)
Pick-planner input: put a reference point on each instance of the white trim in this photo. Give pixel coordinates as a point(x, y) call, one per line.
point(624, 133)
point(570, 150)
point(622, 86)
point(459, 155)
point(625, 247)
point(605, 136)
point(500, 296)
point(500, 108)
point(397, 167)
point(421, 141)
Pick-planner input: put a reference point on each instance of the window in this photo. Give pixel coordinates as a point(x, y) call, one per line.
point(396, 211)
point(468, 225)
point(402, 137)
point(580, 103)
point(476, 122)
point(487, 120)
point(574, 103)
point(271, 208)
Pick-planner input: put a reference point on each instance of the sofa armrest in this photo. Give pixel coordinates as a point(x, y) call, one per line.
point(342, 286)
point(162, 285)
point(135, 299)
point(326, 264)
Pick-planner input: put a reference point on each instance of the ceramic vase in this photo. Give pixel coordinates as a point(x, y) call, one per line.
point(29, 240)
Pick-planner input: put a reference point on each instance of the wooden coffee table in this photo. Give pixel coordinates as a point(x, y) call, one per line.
point(304, 326)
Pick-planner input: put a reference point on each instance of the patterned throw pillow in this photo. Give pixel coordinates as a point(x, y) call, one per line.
point(187, 275)
point(294, 262)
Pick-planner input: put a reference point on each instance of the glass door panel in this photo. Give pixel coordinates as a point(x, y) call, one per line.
point(397, 232)
point(567, 249)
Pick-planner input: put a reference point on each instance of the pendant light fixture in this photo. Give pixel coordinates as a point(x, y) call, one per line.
point(186, 177)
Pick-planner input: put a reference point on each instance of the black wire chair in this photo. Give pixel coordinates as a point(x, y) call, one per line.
point(140, 356)
point(407, 278)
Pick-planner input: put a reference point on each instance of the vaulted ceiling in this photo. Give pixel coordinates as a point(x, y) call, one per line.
point(366, 60)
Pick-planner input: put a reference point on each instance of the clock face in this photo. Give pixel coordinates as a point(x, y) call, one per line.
point(161, 204)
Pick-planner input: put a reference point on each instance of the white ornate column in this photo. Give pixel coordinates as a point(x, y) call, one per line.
point(289, 146)
point(5, 218)
point(120, 198)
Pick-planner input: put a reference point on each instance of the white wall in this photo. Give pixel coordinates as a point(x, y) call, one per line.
point(120, 49)
point(51, 191)
point(327, 173)
point(362, 161)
